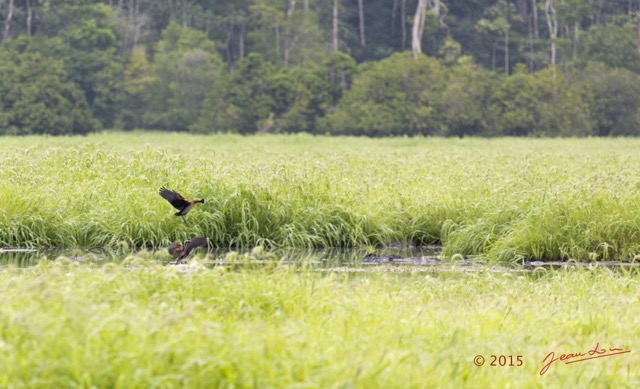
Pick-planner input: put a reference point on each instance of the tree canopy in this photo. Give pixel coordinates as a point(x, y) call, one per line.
point(374, 68)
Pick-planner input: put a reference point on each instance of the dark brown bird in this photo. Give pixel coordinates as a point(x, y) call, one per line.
point(183, 205)
point(181, 252)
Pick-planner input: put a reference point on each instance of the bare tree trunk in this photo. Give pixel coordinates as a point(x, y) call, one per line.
point(521, 6)
point(334, 31)
point(287, 31)
point(530, 41)
point(394, 8)
point(306, 5)
point(637, 20)
point(599, 13)
point(523, 10)
point(418, 28)
point(506, 52)
point(361, 17)
point(187, 16)
point(493, 59)
point(552, 24)
point(421, 25)
point(241, 41)
point(29, 17)
point(7, 22)
point(403, 22)
point(132, 9)
point(131, 19)
point(534, 13)
point(141, 21)
point(435, 7)
point(227, 43)
point(576, 30)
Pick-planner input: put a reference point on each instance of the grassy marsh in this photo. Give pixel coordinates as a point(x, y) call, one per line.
point(136, 323)
point(503, 199)
point(140, 324)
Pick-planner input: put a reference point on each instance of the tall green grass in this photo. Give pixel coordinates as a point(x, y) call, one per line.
point(140, 324)
point(504, 199)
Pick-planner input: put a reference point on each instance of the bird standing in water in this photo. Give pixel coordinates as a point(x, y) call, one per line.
point(182, 204)
point(180, 252)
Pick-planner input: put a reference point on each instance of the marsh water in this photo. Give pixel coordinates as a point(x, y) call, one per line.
point(390, 259)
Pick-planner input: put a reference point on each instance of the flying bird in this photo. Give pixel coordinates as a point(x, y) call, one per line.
point(183, 205)
point(181, 252)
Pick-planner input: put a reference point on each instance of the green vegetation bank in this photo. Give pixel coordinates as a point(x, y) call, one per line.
point(141, 324)
point(506, 199)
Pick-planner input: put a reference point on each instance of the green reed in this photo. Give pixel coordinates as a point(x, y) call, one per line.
point(503, 199)
point(140, 324)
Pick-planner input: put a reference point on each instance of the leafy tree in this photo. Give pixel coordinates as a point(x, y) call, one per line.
point(463, 104)
point(502, 15)
point(613, 45)
point(286, 33)
point(242, 104)
point(395, 96)
point(572, 14)
point(262, 98)
point(84, 38)
point(268, 19)
point(158, 64)
point(36, 98)
point(539, 104)
point(138, 81)
point(90, 57)
point(339, 72)
point(614, 98)
point(562, 108)
point(285, 99)
point(290, 100)
point(300, 96)
point(513, 105)
point(186, 68)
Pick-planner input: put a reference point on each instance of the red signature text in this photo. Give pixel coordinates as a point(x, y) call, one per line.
point(596, 352)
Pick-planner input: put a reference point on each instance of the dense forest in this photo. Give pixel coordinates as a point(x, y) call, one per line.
point(377, 67)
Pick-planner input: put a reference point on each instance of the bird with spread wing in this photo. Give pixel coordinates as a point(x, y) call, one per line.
point(181, 252)
point(179, 202)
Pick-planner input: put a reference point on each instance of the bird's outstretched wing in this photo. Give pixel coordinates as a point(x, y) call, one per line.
point(194, 243)
point(174, 198)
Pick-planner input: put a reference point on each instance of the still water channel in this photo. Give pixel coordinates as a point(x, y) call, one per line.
point(392, 259)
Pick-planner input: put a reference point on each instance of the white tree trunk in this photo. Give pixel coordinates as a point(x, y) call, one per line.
point(287, 32)
point(506, 52)
point(241, 41)
point(552, 24)
point(534, 13)
point(576, 37)
point(403, 22)
point(334, 30)
point(7, 22)
point(29, 17)
point(418, 28)
point(361, 17)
